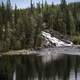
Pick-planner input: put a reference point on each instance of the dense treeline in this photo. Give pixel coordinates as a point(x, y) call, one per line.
point(21, 28)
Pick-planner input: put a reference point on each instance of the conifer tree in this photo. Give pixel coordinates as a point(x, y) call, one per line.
point(3, 17)
point(63, 4)
point(8, 10)
point(46, 5)
point(42, 5)
point(38, 7)
point(31, 4)
point(64, 12)
point(72, 24)
point(15, 15)
point(52, 4)
point(37, 31)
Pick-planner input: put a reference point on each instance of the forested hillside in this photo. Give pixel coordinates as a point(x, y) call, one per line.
point(21, 28)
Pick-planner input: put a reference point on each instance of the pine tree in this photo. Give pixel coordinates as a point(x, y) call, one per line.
point(3, 17)
point(7, 26)
point(0, 14)
point(38, 7)
point(3, 20)
point(63, 4)
point(72, 24)
point(52, 4)
point(8, 10)
point(64, 12)
point(42, 5)
point(15, 15)
point(32, 7)
point(37, 32)
point(46, 5)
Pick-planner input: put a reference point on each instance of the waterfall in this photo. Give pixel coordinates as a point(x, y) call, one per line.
point(55, 40)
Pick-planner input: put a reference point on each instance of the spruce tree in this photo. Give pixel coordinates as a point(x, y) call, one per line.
point(15, 15)
point(37, 32)
point(63, 4)
point(3, 17)
point(64, 12)
point(38, 7)
point(42, 5)
point(46, 5)
point(8, 10)
point(72, 24)
point(31, 5)
point(52, 4)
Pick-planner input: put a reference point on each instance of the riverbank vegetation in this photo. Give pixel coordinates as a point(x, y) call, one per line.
point(76, 40)
point(21, 28)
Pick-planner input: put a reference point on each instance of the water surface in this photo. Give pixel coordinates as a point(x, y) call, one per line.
point(40, 67)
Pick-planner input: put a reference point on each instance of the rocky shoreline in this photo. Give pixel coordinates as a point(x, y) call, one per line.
point(46, 51)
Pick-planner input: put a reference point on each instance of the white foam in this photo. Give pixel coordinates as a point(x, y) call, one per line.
point(55, 40)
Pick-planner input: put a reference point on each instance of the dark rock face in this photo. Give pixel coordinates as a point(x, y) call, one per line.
point(31, 67)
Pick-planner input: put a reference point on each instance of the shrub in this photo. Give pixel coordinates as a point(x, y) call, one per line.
point(76, 39)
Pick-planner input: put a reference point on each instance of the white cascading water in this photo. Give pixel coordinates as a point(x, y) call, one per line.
point(55, 40)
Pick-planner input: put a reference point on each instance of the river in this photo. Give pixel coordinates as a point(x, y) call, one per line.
point(50, 66)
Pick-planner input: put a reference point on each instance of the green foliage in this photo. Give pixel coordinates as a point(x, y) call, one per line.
point(76, 39)
point(72, 24)
point(21, 28)
point(17, 45)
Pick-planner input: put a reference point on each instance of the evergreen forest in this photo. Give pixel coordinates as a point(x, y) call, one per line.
point(21, 28)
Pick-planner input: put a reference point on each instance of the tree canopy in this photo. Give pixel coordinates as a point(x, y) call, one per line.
point(21, 28)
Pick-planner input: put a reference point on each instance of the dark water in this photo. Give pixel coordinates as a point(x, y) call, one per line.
point(33, 67)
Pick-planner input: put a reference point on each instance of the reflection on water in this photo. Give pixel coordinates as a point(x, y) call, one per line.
point(14, 75)
point(33, 67)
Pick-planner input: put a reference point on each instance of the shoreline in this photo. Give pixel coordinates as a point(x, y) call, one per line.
point(45, 51)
